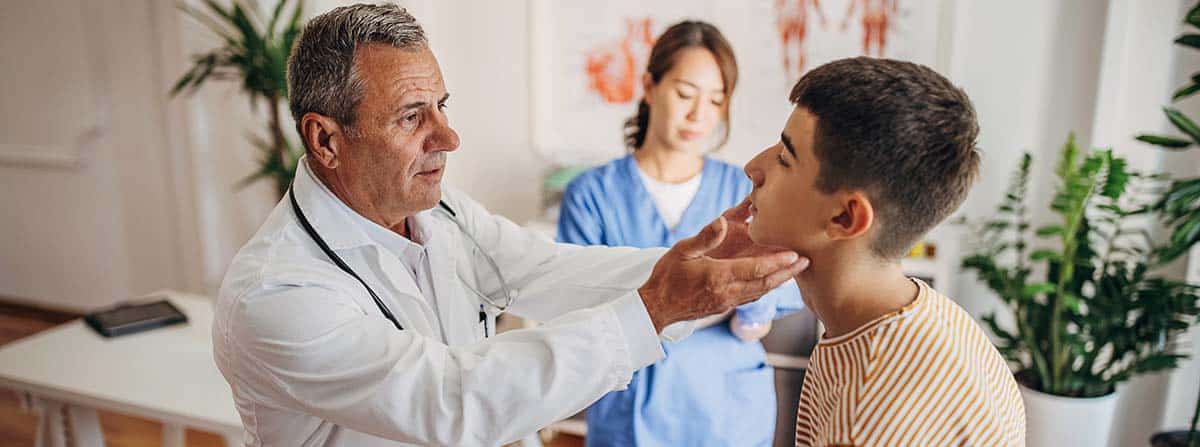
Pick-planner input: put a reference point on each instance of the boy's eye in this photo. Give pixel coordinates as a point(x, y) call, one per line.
point(781, 160)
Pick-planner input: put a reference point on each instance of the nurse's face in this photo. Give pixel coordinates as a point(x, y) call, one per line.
point(688, 104)
point(787, 208)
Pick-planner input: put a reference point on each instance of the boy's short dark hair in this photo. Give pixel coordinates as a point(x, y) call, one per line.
point(899, 131)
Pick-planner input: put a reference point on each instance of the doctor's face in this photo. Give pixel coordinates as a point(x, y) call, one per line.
point(396, 148)
point(688, 103)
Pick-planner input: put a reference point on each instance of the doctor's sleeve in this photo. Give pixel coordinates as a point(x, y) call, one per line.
point(308, 349)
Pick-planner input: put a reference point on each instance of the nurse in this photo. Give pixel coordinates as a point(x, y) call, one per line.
point(714, 387)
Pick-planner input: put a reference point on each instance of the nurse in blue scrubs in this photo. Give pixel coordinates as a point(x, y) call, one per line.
point(713, 388)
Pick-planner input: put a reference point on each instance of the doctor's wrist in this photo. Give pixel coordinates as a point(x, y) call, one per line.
point(654, 307)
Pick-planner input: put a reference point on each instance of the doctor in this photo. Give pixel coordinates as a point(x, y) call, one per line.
point(361, 312)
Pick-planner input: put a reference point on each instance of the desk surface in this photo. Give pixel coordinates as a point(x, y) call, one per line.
point(166, 374)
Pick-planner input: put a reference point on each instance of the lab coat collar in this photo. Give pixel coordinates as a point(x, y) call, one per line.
point(331, 217)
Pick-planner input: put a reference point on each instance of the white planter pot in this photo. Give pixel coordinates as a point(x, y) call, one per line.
point(1057, 421)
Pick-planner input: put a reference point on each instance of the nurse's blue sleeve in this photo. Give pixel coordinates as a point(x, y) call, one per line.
point(579, 218)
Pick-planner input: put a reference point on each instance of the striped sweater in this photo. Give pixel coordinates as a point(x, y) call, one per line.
point(925, 375)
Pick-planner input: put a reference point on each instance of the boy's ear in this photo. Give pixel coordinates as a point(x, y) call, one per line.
point(323, 136)
point(855, 218)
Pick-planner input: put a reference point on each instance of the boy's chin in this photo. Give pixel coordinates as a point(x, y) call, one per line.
point(764, 237)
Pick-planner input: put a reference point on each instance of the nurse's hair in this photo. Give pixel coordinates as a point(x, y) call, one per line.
point(321, 75)
point(679, 37)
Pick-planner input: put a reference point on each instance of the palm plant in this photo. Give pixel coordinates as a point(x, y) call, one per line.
point(1089, 313)
point(1181, 203)
point(254, 53)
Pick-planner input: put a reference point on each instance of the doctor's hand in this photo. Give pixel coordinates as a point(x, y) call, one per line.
point(737, 242)
point(688, 283)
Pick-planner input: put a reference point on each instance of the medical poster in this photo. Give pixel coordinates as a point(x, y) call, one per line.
point(589, 58)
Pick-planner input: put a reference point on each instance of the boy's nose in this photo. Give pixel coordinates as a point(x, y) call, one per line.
point(753, 171)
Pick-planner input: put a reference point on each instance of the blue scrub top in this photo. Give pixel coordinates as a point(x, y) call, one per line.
point(712, 389)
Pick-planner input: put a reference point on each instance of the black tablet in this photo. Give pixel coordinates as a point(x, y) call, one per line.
point(131, 318)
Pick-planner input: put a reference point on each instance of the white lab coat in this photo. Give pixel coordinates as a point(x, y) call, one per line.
point(312, 361)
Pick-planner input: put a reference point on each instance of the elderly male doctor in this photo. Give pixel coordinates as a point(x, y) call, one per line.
point(362, 311)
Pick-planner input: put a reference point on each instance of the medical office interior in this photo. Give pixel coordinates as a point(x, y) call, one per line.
point(115, 188)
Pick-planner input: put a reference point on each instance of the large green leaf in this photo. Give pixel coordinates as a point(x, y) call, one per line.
point(1185, 91)
point(1191, 40)
point(1183, 123)
point(1163, 141)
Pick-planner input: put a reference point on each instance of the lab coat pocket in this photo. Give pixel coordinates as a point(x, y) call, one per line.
point(750, 413)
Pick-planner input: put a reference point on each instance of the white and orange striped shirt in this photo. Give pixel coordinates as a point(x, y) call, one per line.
point(925, 375)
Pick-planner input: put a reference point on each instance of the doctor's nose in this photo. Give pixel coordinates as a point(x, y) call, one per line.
point(443, 139)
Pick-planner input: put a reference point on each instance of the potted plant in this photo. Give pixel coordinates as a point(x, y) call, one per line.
point(1089, 313)
point(1181, 203)
point(254, 53)
point(1180, 438)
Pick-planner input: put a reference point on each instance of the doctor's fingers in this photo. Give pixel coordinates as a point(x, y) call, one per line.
point(739, 213)
point(742, 291)
point(760, 265)
point(710, 237)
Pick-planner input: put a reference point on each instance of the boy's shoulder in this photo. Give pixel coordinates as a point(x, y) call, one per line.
point(940, 321)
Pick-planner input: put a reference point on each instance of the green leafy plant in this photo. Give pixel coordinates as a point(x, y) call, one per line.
point(1180, 205)
point(1089, 314)
point(254, 53)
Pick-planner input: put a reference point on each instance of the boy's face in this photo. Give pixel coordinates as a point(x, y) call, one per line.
point(789, 211)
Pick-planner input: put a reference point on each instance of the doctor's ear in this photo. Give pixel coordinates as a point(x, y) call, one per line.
point(855, 216)
point(324, 138)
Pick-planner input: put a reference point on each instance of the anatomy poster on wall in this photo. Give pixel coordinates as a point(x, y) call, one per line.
point(589, 58)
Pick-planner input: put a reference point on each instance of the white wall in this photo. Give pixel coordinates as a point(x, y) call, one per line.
point(153, 203)
point(90, 231)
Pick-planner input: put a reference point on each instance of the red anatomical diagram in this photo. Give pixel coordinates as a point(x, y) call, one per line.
point(792, 23)
point(614, 70)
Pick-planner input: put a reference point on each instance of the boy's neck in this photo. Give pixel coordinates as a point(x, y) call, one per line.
point(846, 291)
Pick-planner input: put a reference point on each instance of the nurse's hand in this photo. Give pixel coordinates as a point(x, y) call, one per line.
point(688, 283)
point(737, 242)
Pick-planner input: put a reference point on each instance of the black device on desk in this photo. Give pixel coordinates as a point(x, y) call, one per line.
point(131, 318)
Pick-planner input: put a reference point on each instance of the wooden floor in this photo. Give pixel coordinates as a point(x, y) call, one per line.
point(17, 426)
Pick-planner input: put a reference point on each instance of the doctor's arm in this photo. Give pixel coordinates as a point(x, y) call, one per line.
point(306, 345)
point(552, 278)
point(331, 359)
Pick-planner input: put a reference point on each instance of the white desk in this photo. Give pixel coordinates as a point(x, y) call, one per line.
point(166, 375)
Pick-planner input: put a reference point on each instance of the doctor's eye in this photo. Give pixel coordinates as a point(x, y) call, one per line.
point(410, 120)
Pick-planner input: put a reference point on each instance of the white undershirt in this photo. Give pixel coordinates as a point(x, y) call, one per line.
point(671, 199)
point(412, 253)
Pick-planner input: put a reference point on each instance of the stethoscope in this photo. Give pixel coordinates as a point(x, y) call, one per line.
point(487, 314)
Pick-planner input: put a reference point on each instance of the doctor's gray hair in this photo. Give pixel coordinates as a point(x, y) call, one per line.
point(321, 74)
